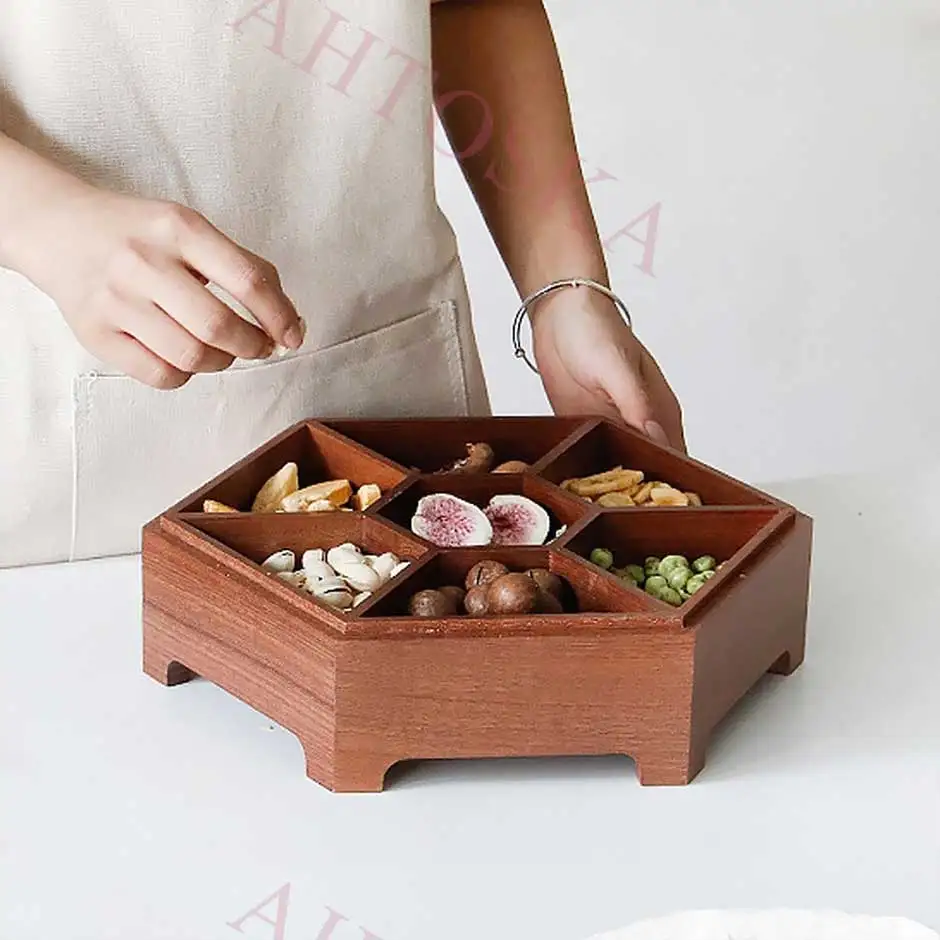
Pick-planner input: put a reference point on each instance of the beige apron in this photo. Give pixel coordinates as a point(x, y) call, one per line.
point(301, 130)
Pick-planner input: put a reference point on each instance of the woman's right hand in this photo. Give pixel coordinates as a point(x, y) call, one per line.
point(129, 276)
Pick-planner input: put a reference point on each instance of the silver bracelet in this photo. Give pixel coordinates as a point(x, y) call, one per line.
point(520, 353)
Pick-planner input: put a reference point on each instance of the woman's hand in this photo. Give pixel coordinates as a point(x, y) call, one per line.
point(591, 363)
point(130, 275)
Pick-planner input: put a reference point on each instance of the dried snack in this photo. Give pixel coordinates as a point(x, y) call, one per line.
point(480, 459)
point(617, 480)
point(212, 505)
point(336, 492)
point(512, 594)
point(276, 488)
point(517, 520)
point(642, 496)
point(668, 496)
point(451, 522)
point(615, 500)
point(512, 466)
point(694, 499)
point(365, 496)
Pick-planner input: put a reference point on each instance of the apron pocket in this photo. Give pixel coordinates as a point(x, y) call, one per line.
point(138, 450)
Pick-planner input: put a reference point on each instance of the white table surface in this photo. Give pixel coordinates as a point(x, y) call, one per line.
point(129, 810)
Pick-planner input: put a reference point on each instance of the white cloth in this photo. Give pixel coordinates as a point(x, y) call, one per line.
point(771, 925)
point(317, 159)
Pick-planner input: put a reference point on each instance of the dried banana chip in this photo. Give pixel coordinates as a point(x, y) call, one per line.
point(612, 482)
point(667, 496)
point(615, 500)
point(642, 495)
point(694, 499)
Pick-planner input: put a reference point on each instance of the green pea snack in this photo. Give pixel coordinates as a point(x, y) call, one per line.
point(603, 558)
point(705, 563)
point(651, 565)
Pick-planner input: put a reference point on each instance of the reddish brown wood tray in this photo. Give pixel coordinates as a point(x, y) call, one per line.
point(367, 688)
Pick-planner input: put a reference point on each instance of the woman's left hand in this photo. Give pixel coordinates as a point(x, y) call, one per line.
point(591, 362)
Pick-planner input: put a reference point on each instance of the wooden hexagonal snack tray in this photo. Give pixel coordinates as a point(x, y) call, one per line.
point(619, 672)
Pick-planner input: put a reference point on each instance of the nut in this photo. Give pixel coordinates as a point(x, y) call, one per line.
point(333, 591)
point(547, 603)
point(475, 602)
point(512, 594)
point(336, 492)
point(280, 561)
point(547, 581)
point(212, 505)
point(384, 565)
point(366, 496)
point(361, 598)
point(484, 572)
point(317, 571)
point(358, 575)
point(432, 604)
point(276, 489)
point(457, 593)
point(479, 459)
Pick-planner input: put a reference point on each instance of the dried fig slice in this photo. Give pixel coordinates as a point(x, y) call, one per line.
point(517, 520)
point(450, 522)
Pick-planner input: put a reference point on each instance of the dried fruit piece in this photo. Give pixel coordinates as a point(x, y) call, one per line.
point(336, 492)
point(451, 522)
point(517, 520)
point(484, 572)
point(512, 466)
point(642, 495)
point(276, 488)
point(612, 481)
point(432, 604)
point(615, 500)
point(479, 459)
point(366, 496)
point(212, 505)
point(667, 496)
point(512, 594)
point(694, 499)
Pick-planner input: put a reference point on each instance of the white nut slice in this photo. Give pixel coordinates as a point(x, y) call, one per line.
point(311, 555)
point(385, 564)
point(317, 571)
point(297, 579)
point(358, 575)
point(346, 554)
point(361, 598)
point(398, 569)
point(334, 592)
point(280, 561)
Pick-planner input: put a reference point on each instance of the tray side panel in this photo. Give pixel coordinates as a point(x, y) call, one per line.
point(757, 624)
point(211, 602)
point(517, 696)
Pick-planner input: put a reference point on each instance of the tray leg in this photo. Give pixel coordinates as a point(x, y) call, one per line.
point(675, 762)
point(353, 773)
point(790, 660)
point(158, 662)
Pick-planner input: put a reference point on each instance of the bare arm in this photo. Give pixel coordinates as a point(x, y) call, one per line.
point(502, 98)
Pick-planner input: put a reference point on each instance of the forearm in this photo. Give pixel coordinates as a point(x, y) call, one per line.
point(525, 173)
point(30, 188)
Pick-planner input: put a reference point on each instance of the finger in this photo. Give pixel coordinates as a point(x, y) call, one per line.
point(664, 403)
point(202, 315)
point(166, 339)
point(138, 362)
point(251, 280)
point(622, 381)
